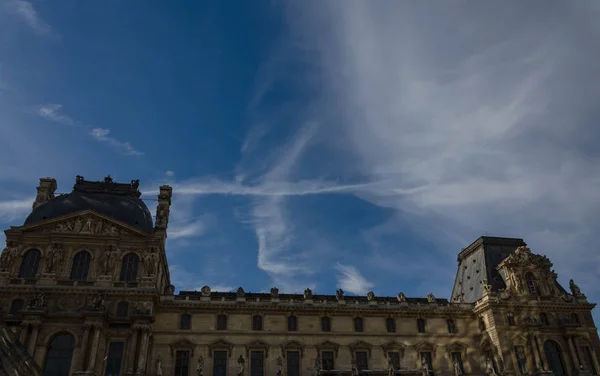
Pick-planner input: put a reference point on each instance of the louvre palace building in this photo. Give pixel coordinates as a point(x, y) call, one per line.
point(86, 290)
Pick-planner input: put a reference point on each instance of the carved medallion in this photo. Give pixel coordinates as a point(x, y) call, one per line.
point(70, 303)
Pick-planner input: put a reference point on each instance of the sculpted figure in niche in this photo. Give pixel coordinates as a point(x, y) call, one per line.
point(55, 257)
point(457, 370)
point(7, 256)
point(574, 288)
point(424, 368)
point(279, 366)
point(150, 263)
point(159, 366)
point(241, 366)
point(390, 366)
point(200, 366)
point(317, 367)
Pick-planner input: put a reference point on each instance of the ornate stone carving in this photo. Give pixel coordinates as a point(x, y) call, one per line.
point(150, 263)
point(487, 288)
point(401, 298)
point(159, 366)
point(457, 370)
point(279, 365)
point(574, 289)
point(241, 365)
point(274, 293)
point(170, 290)
point(240, 292)
point(8, 255)
point(339, 294)
point(97, 303)
point(143, 308)
point(109, 259)
point(39, 301)
point(370, 296)
point(54, 258)
point(70, 303)
point(308, 293)
point(489, 367)
point(200, 366)
point(317, 367)
point(205, 290)
point(424, 368)
point(430, 298)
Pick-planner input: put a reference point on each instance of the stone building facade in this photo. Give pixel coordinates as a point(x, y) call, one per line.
point(86, 290)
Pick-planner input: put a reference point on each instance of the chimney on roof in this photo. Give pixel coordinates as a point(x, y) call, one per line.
point(45, 191)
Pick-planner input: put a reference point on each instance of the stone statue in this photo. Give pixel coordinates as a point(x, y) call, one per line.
point(97, 303)
point(200, 366)
point(159, 366)
point(205, 290)
point(424, 368)
point(391, 368)
point(87, 227)
point(308, 293)
point(370, 296)
point(279, 366)
point(78, 225)
point(339, 294)
point(317, 367)
point(170, 290)
point(430, 298)
point(274, 292)
point(240, 292)
point(241, 366)
point(354, 369)
point(98, 227)
point(489, 367)
point(401, 298)
point(457, 370)
point(150, 263)
point(7, 256)
point(38, 302)
point(574, 288)
point(55, 257)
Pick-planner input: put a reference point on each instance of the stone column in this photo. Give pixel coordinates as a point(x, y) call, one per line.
point(542, 353)
point(573, 354)
point(143, 349)
point(94, 349)
point(84, 347)
point(23, 334)
point(131, 345)
point(35, 330)
point(537, 364)
point(594, 358)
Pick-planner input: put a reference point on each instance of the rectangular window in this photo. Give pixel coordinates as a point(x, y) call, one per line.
point(358, 324)
point(221, 322)
point(185, 321)
point(257, 363)
point(327, 360)
point(325, 324)
point(426, 357)
point(451, 326)
point(521, 359)
point(511, 318)
point(395, 357)
point(292, 323)
point(220, 363)
point(421, 325)
point(589, 360)
point(182, 363)
point(456, 357)
point(257, 323)
point(293, 363)
point(113, 361)
point(390, 325)
point(362, 362)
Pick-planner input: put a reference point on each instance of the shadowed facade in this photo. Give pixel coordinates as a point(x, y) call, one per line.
point(86, 290)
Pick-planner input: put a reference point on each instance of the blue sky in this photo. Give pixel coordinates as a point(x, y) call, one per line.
point(316, 144)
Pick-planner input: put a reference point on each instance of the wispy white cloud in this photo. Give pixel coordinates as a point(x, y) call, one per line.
point(25, 11)
point(53, 112)
point(15, 209)
point(352, 281)
point(187, 230)
point(101, 134)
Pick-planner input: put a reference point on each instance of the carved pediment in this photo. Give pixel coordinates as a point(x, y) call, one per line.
point(393, 346)
point(87, 222)
point(328, 345)
point(361, 345)
point(257, 345)
point(220, 344)
point(183, 344)
point(457, 347)
point(524, 258)
point(292, 345)
point(426, 346)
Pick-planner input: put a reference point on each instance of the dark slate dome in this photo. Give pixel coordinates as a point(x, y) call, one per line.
point(116, 200)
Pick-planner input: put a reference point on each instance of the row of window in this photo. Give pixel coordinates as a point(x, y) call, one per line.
point(185, 323)
point(80, 267)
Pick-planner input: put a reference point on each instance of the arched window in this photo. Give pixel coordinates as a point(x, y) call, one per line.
point(129, 267)
point(29, 265)
point(81, 265)
point(358, 324)
point(185, 322)
point(325, 324)
point(292, 323)
point(16, 306)
point(554, 357)
point(531, 283)
point(122, 309)
point(58, 358)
